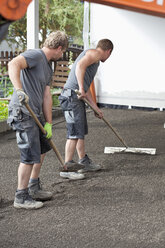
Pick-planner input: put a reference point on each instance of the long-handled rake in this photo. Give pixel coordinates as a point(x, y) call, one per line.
point(151, 151)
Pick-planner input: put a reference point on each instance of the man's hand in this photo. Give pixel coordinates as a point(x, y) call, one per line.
point(23, 98)
point(81, 94)
point(99, 114)
point(48, 129)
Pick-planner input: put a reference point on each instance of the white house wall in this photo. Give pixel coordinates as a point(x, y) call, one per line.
point(134, 74)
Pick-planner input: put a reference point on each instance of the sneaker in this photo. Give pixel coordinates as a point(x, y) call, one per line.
point(24, 200)
point(72, 175)
point(71, 166)
point(88, 165)
point(37, 193)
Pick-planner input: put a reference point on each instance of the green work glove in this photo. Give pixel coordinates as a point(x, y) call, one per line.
point(48, 129)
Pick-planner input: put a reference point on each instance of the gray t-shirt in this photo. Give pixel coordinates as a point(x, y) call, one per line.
point(34, 79)
point(90, 73)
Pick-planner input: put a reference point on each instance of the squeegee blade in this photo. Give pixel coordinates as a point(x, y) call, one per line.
point(151, 151)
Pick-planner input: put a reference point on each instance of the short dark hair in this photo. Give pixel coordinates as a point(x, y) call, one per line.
point(56, 39)
point(105, 44)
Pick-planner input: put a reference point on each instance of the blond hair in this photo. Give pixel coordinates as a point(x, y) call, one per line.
point(56, 39)
point(105, 44)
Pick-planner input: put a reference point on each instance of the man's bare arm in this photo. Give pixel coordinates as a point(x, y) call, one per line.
point(15, 66)
point(91, 57)
point(93, 104)
point(47, 105)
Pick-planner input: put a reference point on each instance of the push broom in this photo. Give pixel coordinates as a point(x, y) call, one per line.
point(126, 148)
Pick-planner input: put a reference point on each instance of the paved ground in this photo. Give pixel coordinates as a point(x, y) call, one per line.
point(122, 206)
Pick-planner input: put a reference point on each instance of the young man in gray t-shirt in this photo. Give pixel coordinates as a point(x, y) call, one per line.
point(31, 73)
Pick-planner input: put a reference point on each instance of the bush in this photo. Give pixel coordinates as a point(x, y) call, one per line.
point(55, 101)
point(3, 110)
point(6, 90)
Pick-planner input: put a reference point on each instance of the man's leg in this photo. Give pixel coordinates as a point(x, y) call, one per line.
point(36, 168)
point(89, 165)
point(24, 172)
point(81, 148)
point(70, 164)
point(70, 148)
point(85, 164)
point(22, 198)
point(35, 189)
point(27, 140)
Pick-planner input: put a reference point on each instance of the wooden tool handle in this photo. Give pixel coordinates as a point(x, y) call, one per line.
point(103, 118)
point(119, 137)
point(44, 132)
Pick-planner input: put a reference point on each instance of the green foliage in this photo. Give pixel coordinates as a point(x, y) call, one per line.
point(70, 58)
point(70, 62)
point(61, 15)
point(53, 15)
point(3, 110)
point(55, 100)
point(6, 89)
point(17, 33)
point(6, 86)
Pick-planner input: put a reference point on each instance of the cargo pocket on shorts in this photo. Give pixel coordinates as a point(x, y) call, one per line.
point(65, 103)
point(14, 116)
point(69, 116)
point(22, 139)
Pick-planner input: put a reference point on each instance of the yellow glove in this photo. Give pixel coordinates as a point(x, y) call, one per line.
point(48, 129)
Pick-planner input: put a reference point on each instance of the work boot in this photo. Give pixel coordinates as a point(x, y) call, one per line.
point(36, 192)
point(72, 175)
point(88, 165)
point(24, 200)
point(71, 166)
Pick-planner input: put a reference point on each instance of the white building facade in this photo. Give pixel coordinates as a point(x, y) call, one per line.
point(134, 74)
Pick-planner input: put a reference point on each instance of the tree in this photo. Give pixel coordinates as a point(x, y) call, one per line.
point(17, 33)
point(53, 15)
